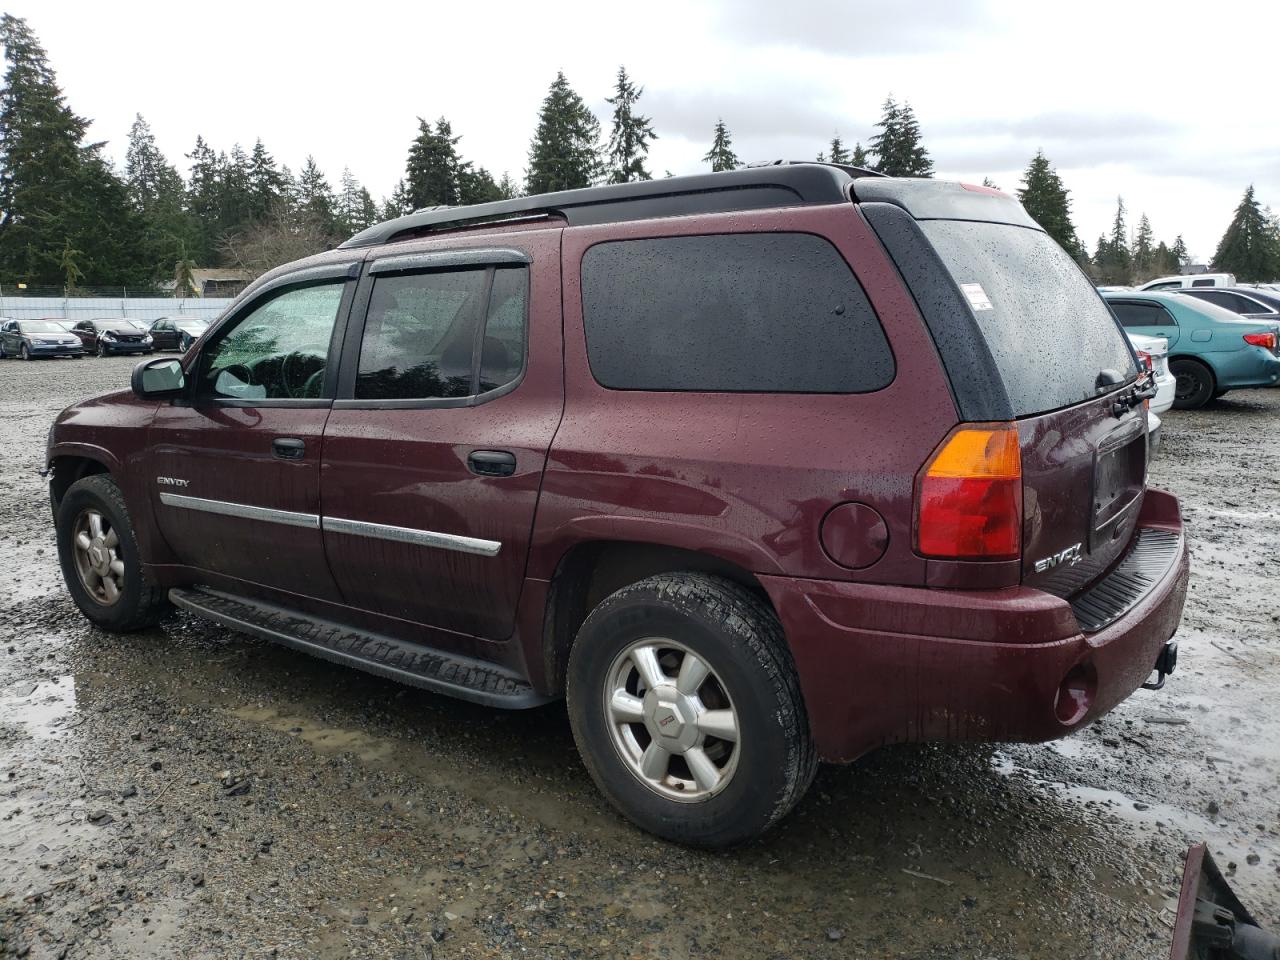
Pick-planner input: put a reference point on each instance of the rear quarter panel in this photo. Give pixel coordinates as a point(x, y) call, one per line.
point(747, 477)
point(1219, 343)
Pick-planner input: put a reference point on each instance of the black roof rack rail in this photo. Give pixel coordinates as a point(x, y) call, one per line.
point(780, 183)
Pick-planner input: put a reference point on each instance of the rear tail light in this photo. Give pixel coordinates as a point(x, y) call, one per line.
point(969, 495)
point(1145, 361)
point(1267, 340)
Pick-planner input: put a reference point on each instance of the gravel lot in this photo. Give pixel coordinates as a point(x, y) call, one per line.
point(189, 792)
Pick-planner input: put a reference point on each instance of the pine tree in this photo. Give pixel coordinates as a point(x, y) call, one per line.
point(476, 185)
point(58, 194)
point(1250, 247)
point(267, 185)
point(988, 182)
point(721, 155)
point(898, 150)
point(159, 195)
point(629, 141)
point(1048, 202)
point(1143, 250)
point(431, 174)
point(349, 207)
point(203, 191)
point(1112, 261)
point(1180, 254)
point(837, 153)
point(564, 153)
point(235, 193)
point(858, 157)
point(507, 188)
point(315, 197)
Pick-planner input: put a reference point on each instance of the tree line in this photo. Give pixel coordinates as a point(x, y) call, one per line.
point(69, 217)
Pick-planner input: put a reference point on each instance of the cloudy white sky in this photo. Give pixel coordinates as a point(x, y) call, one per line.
point(1172, 105)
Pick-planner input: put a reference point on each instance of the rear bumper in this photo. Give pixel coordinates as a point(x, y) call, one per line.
point(1251, 367)
point(882, 664)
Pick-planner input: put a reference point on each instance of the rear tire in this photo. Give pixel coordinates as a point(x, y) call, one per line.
point(93, 509)
point(1195, 386)
point(702, 789)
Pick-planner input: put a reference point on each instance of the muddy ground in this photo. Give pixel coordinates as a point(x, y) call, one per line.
point(189, 792)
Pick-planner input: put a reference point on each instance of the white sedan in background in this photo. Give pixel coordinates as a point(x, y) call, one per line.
point(1153, 352)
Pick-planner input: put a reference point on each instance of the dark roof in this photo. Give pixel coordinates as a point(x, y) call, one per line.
point(776, 184)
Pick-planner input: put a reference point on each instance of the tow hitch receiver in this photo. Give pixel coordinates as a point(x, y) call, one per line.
point(1166, 663)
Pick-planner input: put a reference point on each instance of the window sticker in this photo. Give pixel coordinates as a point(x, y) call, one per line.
point(977, 297)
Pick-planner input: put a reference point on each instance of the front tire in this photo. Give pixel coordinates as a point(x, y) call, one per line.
point(99, 557)
point(24, 352)
point(1195, 386)
point(686, 708)
point(102, 350)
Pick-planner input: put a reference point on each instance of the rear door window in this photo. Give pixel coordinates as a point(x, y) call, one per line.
point(759, 313)
point(1049, 332)
point(1133, 313)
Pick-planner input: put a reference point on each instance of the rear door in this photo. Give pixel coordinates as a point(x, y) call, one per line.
point(236, 464)
point(1147, 317)
point(433, 455)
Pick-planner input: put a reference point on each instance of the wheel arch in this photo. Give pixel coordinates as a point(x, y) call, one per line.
point(71, 462)
point(591, 570)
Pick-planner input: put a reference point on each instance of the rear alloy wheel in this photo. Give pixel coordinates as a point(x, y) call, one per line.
point(99, 558)
point(1195, 385)
point(686, 709)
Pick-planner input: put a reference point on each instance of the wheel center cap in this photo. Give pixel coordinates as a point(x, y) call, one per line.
point(671, 718)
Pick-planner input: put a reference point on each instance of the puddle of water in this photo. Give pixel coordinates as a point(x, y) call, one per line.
point(43, 707)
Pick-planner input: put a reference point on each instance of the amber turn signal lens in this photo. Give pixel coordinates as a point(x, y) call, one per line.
point(969, 495)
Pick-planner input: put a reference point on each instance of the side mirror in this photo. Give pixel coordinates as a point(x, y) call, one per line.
point(158, 378)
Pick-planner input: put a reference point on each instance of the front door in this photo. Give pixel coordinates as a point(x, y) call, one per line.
point(450, 394)
point(237, 463)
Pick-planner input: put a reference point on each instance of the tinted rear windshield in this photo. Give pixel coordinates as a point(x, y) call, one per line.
point(1048, 331)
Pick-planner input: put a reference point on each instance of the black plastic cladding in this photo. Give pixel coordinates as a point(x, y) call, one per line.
point(975, 381)
point(749, 188)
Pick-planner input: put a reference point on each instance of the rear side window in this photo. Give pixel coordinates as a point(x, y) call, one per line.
point(1048, 331)
point(759, 313)
point(1133, 313)
point(422, 337)
point(1202, 283)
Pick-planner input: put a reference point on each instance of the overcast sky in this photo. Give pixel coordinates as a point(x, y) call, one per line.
point(1172, 105)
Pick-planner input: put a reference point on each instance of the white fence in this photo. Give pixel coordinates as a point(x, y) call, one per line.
point(91, 308)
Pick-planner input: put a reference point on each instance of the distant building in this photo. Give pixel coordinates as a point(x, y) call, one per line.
point(1191, 268)
point(215, 281)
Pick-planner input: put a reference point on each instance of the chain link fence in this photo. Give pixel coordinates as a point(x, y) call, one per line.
point(92, 308)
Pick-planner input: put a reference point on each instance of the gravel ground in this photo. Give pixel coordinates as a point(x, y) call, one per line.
point(190, 792)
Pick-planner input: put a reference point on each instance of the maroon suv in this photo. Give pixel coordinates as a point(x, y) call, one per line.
point(756, 468)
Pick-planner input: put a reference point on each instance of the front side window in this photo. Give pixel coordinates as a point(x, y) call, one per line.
point(730, 313)
point(279, 350)
point(422, 338)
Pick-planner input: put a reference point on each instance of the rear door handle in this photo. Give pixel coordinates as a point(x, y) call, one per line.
point(492, 463)
point(288, 448)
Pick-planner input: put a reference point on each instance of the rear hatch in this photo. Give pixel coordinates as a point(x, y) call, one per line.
point(1047, 354)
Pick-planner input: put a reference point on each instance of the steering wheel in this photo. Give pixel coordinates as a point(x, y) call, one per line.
point(311, 389)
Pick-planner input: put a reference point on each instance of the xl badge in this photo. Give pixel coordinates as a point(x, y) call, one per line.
point(1069, 556)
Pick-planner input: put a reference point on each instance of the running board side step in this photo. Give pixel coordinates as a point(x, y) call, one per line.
point(409, 663)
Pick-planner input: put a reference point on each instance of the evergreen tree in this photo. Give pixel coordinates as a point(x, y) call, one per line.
point(898, 150)
point(507, 188)
point(267, 185)
point(1180, 254)
point(432, 173)
point(564, 154)
point(1250, 248)
point(315, 197)
point(1048, 202)
point(349, 207)
point(1112, 261)
point(721, 155)
point(203, 192)
point(235, 194)
point(837, 152)
point(159, 195)
point(64, 213)
point(629, 141)
point(858, 157)
point(1143, 251)
point(476, 185)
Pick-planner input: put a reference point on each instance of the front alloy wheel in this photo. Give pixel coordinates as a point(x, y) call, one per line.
point(671, 720)
point(97, 557)
point(25, 352)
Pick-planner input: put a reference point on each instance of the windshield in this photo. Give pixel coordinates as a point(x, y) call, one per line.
point(40, 326)
point(1048, 331)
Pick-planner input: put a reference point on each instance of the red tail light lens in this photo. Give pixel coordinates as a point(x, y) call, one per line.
point(1267, 340)
point(969, 495)
point(1144, 360)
